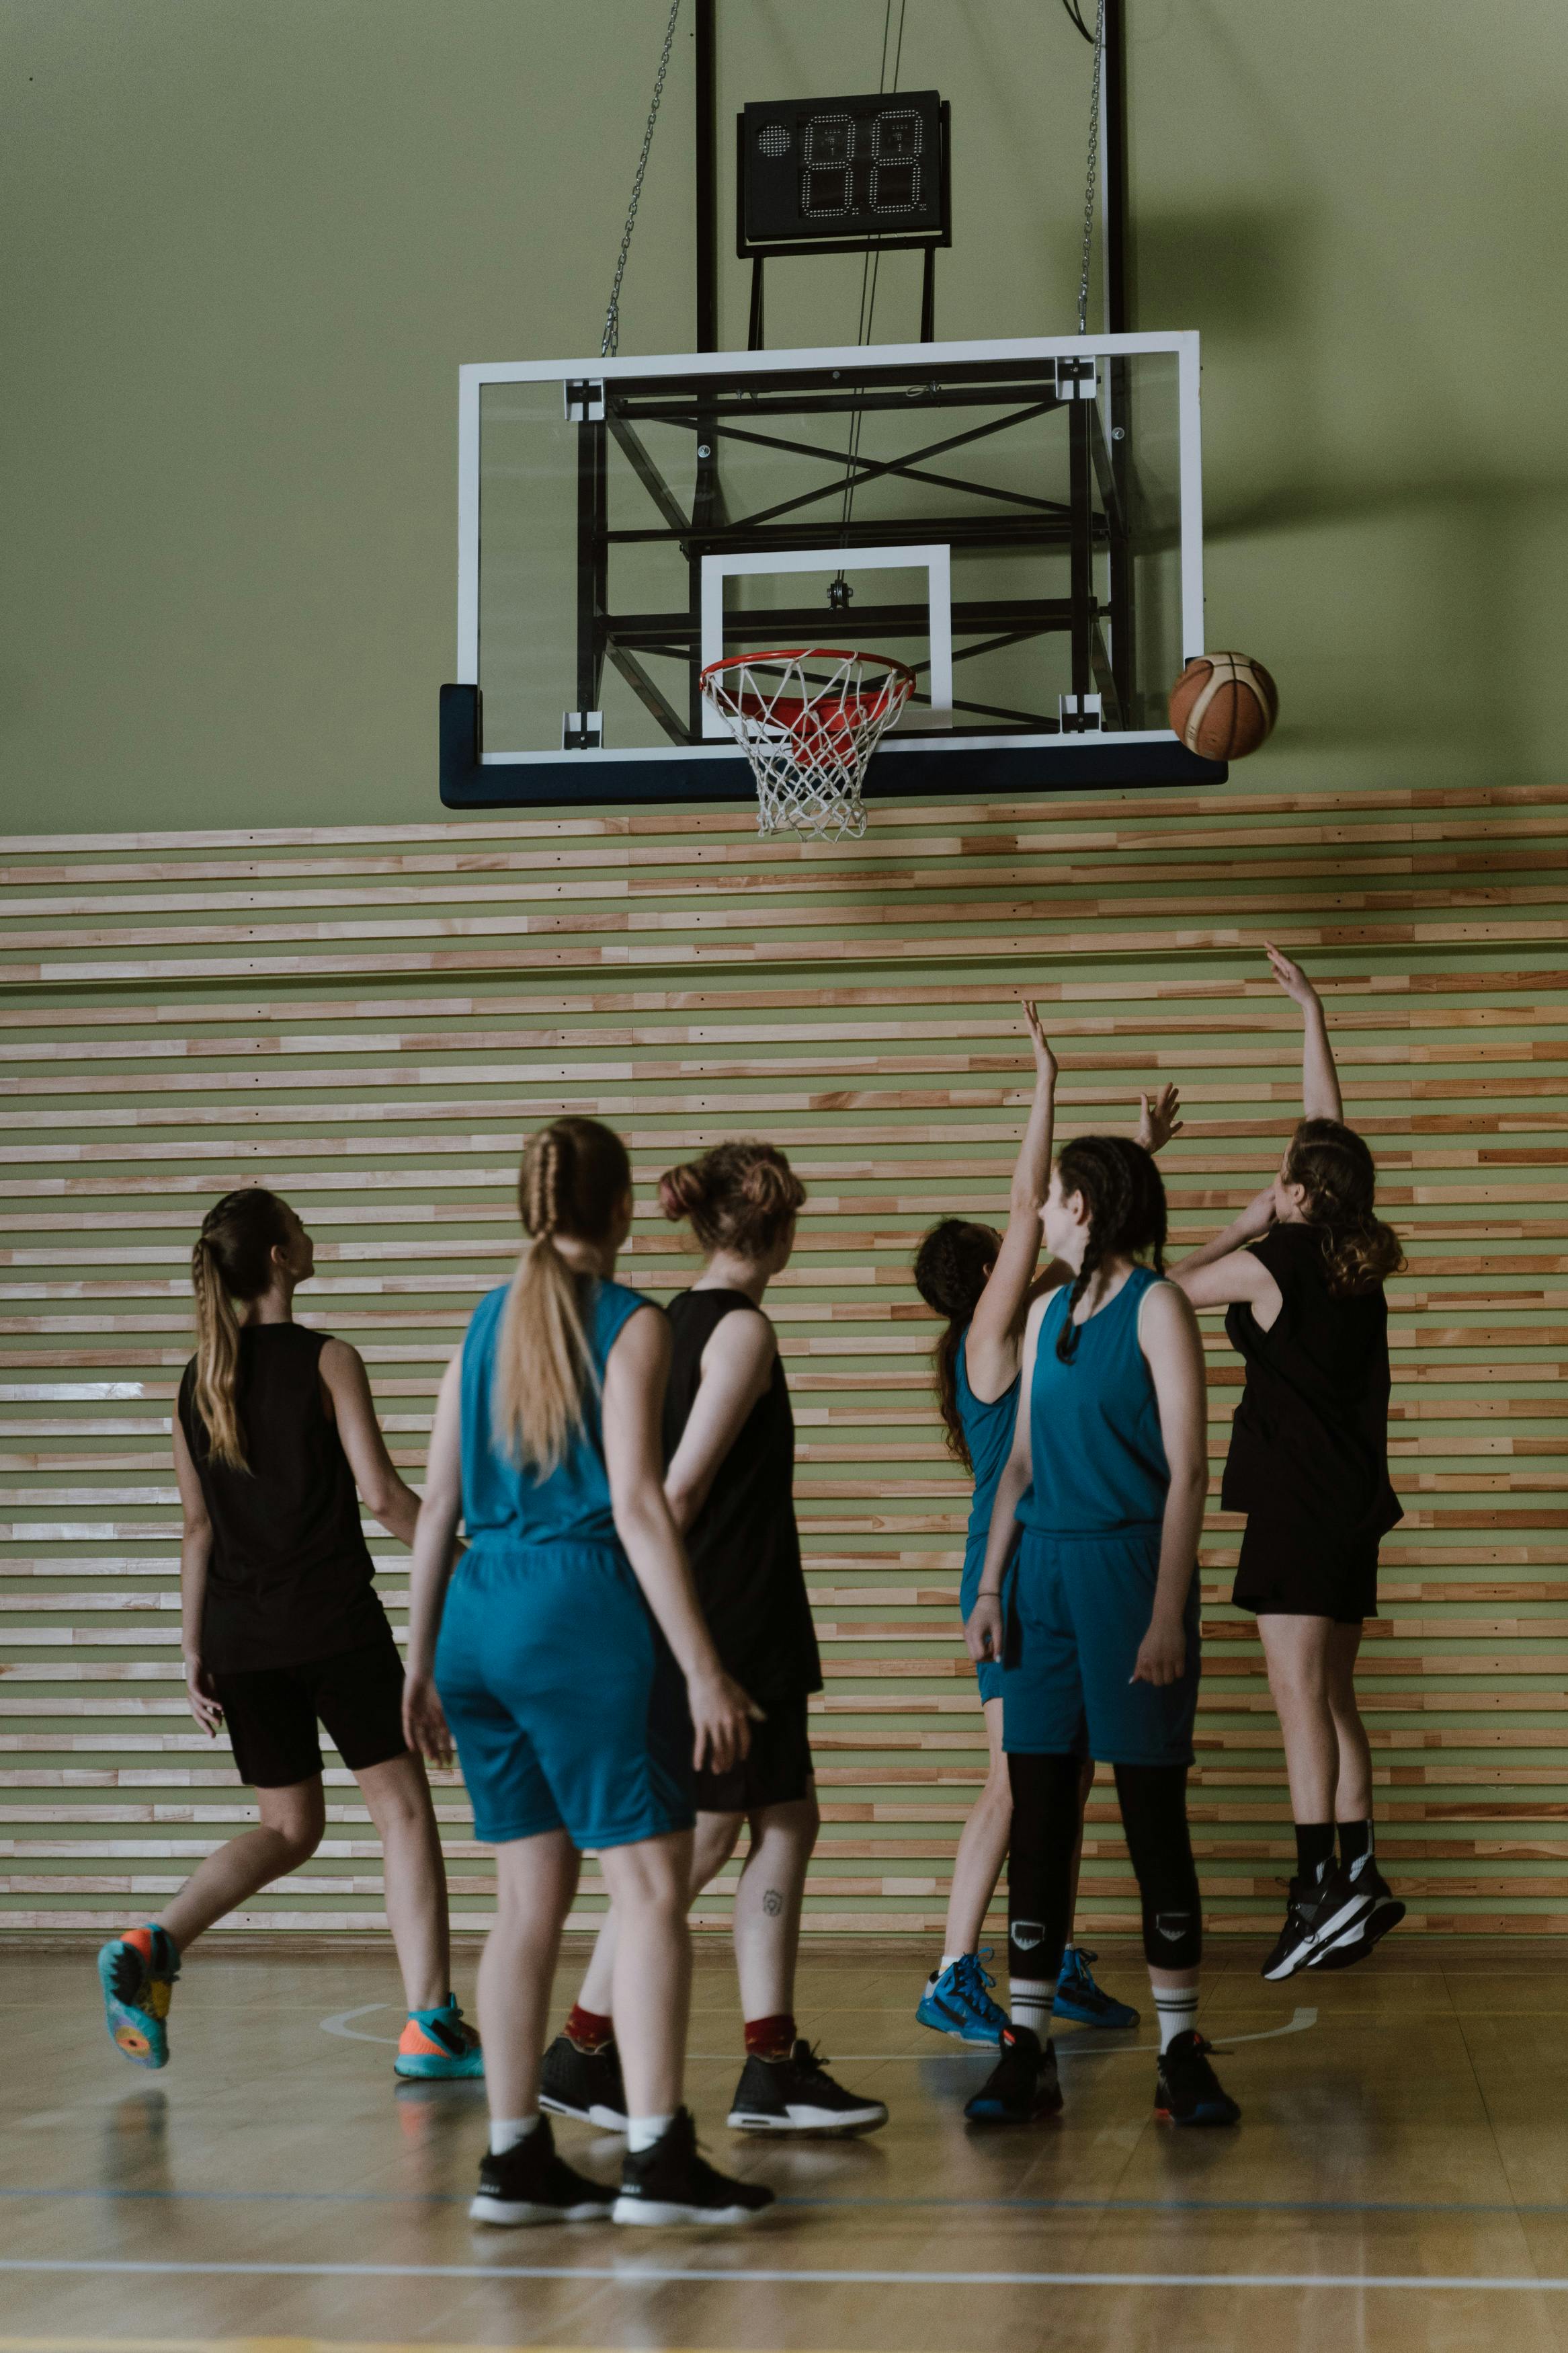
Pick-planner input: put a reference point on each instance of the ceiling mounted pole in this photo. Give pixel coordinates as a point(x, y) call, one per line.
point(706, 176)
point(1114, 197)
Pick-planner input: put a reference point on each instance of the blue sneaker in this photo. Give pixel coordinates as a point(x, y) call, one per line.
point(439, 2046)
point(137, 1973)
point(958, 2001)
point(1078, 1998)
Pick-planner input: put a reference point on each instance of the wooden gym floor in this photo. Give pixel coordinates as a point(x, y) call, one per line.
point(1400, 2179)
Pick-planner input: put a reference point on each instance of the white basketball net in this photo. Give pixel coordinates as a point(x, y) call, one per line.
point(809, 722)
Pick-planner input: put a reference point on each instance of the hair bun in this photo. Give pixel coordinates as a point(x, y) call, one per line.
point(681, 1192)
point(768, 1185)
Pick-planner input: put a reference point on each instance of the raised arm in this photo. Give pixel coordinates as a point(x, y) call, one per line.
point(983, 1632)
point(635, 1378)
point(992, 1347)
point(195, 1552)
point(386, 1496)
point(1225, 1270)
point(737, 1366)
point(1321, 1097)
point(1168, 1336)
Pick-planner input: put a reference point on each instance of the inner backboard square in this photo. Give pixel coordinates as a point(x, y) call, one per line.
point(888, 625)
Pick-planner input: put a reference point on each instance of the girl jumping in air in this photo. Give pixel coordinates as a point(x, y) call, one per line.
point(1302, 1272)
point(729, 1450)
point(570, 1659)
point(982, 1283)
point(282, 1627)
point(1107, 1475)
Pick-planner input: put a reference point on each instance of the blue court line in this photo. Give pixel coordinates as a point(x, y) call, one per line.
point(818, 2205)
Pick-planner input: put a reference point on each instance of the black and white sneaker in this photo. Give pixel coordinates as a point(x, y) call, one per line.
point(1356, 1942)
point(798, 2095)
point(1023, 2088)
point(1186, 2089)
point(530, 2184)
point(583, 2083)
point(673, 2183)
point(1318, 1915)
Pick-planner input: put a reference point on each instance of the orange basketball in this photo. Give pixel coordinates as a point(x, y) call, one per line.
point(1224, 706)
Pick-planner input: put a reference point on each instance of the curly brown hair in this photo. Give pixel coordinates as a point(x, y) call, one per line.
point(952, 1266)
point(1339, 1175)
point(739, 1196)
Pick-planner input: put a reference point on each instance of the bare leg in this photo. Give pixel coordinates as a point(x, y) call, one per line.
point(650, 1892)
point(536, 1879)
point(1352, 1795)
point(981, 1848)
point(414, 1876)
point(768, 1904)
point(1297, 1650)
point(713, 1843)
point(293, 1820)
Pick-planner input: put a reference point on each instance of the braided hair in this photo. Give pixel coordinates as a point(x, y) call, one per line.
point(574, 1178)
point(1339, 1175)
point(952, 1266)
point(1126, 1202)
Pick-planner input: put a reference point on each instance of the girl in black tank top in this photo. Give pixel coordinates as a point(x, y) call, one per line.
point(1300, 1273)
point(275, 1438)
point(729, 1442)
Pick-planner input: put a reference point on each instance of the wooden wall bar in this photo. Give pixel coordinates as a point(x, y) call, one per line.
point(372, 1020)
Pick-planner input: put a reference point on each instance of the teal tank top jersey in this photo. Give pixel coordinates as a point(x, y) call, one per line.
point(1097, 1457)
point(988, 1430)
point(567, 1708)
point(500, 1498)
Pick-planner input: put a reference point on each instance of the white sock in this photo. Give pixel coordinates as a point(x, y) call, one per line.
point(643, 2131)
point(507, 2131)
point(1030, 2003)
point(1176, 2012)
point(946, 1962)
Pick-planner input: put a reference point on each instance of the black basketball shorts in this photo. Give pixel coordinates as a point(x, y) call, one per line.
point(272, 1713)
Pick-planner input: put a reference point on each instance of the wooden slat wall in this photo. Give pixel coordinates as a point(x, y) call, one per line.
point(370, 1020)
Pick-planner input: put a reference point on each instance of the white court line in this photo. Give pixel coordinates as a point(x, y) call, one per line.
point(634, 2274)
point(1074, 2048)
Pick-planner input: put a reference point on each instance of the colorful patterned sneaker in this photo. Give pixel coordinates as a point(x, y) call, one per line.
point(673, 2183)
point(1078, 1998)
point(798, 2095)
point(1023, 2088)
point(530, 2184)
point(1186, 2089)
point(137, 1972)
point(957, 2001)
point(439, 2046)
point(583, 2083)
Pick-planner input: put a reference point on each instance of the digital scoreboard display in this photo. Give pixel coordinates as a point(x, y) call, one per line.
point(852, 169)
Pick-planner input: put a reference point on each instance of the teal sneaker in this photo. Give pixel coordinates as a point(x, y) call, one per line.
point(137, 1972)
point(957, 2001)
point(1077, 1996)
point(439, 2046)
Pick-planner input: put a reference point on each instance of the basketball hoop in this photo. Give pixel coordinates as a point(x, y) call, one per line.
point(808, 719)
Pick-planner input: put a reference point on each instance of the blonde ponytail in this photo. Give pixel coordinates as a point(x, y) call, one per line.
point(574, 1178)
point(217, 1359)
point(232, 1260)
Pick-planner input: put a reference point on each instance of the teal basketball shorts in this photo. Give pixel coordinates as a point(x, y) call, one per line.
point(1080, 1607)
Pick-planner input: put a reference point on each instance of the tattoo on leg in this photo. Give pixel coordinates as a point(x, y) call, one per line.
point(772, 1904)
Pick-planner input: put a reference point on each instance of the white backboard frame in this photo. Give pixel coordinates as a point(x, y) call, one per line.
point(935, 562)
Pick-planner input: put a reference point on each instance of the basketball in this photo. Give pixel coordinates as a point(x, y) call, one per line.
point(1224, 706)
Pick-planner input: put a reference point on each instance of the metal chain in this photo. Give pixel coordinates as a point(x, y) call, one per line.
point(1093, 167)
point(612, 336)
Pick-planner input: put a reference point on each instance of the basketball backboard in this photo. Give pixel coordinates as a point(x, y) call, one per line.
point(1020, 521)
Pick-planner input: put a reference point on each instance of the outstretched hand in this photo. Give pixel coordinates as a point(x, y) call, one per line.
point(1290, 976)
point(1160, 1120)
point(1045, 1060)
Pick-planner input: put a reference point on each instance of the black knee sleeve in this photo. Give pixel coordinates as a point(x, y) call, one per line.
point(1153, 1801)
point(1039, 1863)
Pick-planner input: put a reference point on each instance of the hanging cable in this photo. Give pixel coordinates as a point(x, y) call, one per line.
point(1071, 7)
point(612, 336)
point(1093, 159)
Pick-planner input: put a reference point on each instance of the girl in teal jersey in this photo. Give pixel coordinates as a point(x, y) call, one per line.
point(982, 1282)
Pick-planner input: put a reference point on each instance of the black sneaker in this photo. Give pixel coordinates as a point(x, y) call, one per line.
point(1317, 1915)
point(1023, 2087)
point(798, 2095)
point(1186, 2089)
point(672, 2182)
point(1356, 1942)
point(583, 2083)
point(532, 2184)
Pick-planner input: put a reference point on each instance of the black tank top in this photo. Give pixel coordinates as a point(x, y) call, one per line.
point(1309, 1439)
point(290, 1576)
point(744, 1545)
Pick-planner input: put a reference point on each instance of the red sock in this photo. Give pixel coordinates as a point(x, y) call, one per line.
point(589, 2029)
point(771, 2037)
